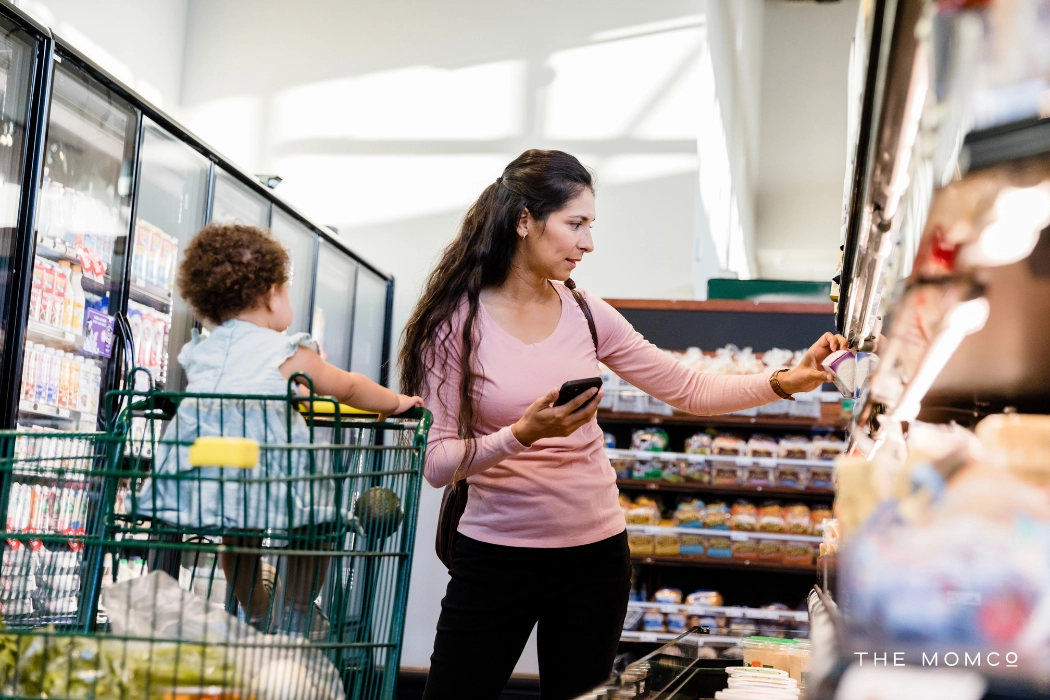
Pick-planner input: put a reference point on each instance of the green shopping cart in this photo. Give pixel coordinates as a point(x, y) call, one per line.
point(209, 546)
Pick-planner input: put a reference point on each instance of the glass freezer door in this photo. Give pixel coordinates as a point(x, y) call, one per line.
point(81, 240)
point(173, 187)
point(334, 303)
point(301, 243)
point(236, 203)
point(16, 74)
point(366, 355)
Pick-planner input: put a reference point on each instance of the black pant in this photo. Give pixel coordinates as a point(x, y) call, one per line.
point(577, 595)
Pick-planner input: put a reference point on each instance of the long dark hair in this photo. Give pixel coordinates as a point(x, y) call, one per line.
point(480, 256)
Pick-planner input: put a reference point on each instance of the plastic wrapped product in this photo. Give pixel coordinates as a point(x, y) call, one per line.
point(632, 619)
point(653, 621)
point(724, 473)
point(712, 598)
point(647, 469)
point(843, 367)
point(667, 544)
point(719, 546)
point(733, 653)
point(610, 441)
point(623, 465)
point(744, 516)
point(716, 516)
point(728, 446)
point(798, 554)
point(706, 652)
point(644, 511)
point(748, 549)
point(797, 519)
point(691, 544)
point(690, 513)
point(771, 517)
point(771, 551)
point(818, 515)
point(697, 470)
point(649, 440)
point(677, 622)
point(674, 468)
point(795, 447)
point(760, 473)
point(641, 544)
point(698, 444)
point(762, 447)
point(668, 596)
point(742, 627)
point(791, 476)
point(828, 450)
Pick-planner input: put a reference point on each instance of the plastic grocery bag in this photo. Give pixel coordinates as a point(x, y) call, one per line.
point(269, 666)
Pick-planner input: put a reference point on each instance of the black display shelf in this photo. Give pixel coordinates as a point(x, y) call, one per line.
point(757, 422)
point(722, 563)
point(1001, 144)
point(822, 495)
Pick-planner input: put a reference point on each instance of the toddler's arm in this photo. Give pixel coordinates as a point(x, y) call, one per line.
point(349, 387)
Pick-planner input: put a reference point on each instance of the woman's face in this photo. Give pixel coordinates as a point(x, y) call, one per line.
point(552, 249)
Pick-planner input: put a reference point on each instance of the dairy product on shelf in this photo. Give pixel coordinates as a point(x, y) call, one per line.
point(79, 300)
point(154, 257)
point(150, 330)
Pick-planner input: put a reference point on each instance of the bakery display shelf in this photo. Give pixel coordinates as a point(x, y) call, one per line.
point(733, 535)
point(726, 490)
point(740, 460)
point(998, 145)
point(762, 422)
point(723, 611)
point(663, 637)
point(702, 561)
point(151, 295)
point(58, 338)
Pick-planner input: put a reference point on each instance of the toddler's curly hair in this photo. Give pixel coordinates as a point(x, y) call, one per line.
point(227, 268)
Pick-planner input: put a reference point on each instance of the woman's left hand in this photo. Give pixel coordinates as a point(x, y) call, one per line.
point(810, 374)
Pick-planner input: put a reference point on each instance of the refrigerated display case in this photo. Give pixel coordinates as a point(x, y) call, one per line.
point(334, 307)
point(170, 207)
point(301, 243)
point(371, 339)
point(235, 202)
point(81, 243)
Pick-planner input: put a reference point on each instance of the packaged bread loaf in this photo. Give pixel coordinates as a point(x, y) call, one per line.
point(771, 517)
point(795, 447)
point(744, 516)
point(726, 445)
point(698, 444)
point(797, 519)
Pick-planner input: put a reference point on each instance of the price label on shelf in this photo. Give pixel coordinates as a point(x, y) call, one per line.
point(738, 536)
point(766, 462)
point(668, 609)
point(744, 461)
point(648, 637)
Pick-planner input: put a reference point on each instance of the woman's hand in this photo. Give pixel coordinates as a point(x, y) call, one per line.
point(403, 404)
point(543, 420)
point(810, 374)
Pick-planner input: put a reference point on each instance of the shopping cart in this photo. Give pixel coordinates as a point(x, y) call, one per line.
point(326, 503)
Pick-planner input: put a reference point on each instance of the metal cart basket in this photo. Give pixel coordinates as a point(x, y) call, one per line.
point(209, 546)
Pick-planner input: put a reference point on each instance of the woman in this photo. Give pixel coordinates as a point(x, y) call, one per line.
point(542, 540)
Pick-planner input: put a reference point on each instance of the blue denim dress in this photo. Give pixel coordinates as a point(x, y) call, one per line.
point(278, 494)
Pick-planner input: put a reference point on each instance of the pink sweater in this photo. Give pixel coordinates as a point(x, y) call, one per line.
point(560, 492)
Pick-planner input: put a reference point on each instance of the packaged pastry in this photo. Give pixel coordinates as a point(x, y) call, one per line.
point(712, 598)
point(795, 447)
point(725, 473)
point(761, 447)
point(791, 476)
point(699, 444)
point(674, 468)
point(677, 622)
point(623, 465)
point(828, 450)
point(771, 551)
point(719, 546)
point(653, 621)
point(641, 544)
point(716, 516)
point(821, 477)
point(744, 516)
point(649, 440)
point(798, 553)
point(771, 517)
point(747, 549)
point(728, 446)
point(644, 511)
point(668, 596)
point(797, 519)
point(818, 515)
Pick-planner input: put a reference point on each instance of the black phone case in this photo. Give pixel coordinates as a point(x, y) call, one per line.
point(571, 389)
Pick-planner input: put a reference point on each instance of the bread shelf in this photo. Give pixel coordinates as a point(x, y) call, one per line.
point(722, 563)
point(733, 535)
point(726, 490)
point(761, 422)
point(723, 611)
point(664, 637)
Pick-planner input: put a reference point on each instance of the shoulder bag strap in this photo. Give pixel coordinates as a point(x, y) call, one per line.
point(586, 312)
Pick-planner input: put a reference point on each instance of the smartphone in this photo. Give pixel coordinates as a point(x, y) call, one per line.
point(571, 389)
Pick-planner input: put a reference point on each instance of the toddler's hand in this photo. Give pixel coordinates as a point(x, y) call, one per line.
point(406, 402)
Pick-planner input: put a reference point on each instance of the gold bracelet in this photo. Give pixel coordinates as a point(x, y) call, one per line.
point(777, 389)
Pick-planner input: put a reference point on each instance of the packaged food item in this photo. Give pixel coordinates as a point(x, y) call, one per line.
point(169, 256)
point(632, 619)
point(797, 519)
point(79, 300)
point(677, 622)
point(625, 503)
point(733, 653)
point(742, 627)
point(53, 371)
point(791, 476)
point(693, 545)
point(716, 516)
point(818, 515)
point(65, 314)
point(623, 465)
point(698, 444)
point(690, 513)
point(771, 517)
point(828, 449)
point(648, 469)
point(59, 299)
point(794, 447)
point(649, 440)
point(644, 511)
point(610, 440)
point(798, 553)
point(760, 473)
point(641, 544)
point(30, 362)
point(725, 473)
point(747, 549)
point(47, 296)
point(705, 652)
point(744, 516)
point(719, 546)
point(155, 263)
point(653, 621)
point(821, 477)
point(37, 290)
point(668, 596)
point(771, 551)
point(667, 543)
point(674, 468)
point(65, 360)
point(712, 598)
point(728, 446)
point(761, 447)
point(697, 470)
point(143, 241)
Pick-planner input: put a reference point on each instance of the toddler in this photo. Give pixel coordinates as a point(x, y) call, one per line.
point(238, 277)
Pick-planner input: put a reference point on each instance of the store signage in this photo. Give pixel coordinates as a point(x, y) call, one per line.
point(98, 333)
